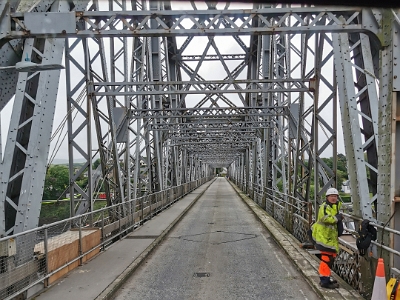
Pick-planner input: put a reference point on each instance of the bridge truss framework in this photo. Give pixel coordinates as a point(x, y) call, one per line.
point(164, 96)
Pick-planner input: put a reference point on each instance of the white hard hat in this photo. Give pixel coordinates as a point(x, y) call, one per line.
point(332, 191)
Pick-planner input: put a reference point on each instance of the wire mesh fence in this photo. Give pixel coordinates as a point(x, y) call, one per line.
point(42, 255)
point(296, 216)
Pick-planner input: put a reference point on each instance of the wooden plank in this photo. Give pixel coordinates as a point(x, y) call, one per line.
point(64, 248)
point(137, 216)
point(89, 242)
point(61, 256)
point(111, 227)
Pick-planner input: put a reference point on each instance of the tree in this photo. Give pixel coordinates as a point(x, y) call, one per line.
point(56, 182)
point(96, 164)
point(342, 163)
point(341, 169)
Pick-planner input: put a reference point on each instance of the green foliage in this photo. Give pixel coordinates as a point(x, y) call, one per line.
point(56, 182)
point(312, 189)
point(96, 164)
point(82, 182)
point(280, 186)
point(342, 163)
point(341, 176)
point(346, 198)
point(341, 169)
point(59, 210)
point(54, 211)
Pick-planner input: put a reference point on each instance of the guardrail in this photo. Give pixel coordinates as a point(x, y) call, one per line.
point(296, 216)
point(42, 255)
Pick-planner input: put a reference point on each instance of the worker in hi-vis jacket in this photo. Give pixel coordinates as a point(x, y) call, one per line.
point(325, 233)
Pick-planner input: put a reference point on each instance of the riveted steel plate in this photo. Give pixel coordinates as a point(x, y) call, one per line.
point(50, 22)
point(396, 60)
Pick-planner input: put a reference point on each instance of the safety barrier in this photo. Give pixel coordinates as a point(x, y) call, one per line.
point(36, 258)
point(296, 216)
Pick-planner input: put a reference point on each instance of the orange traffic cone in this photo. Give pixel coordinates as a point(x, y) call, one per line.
point(379, 290)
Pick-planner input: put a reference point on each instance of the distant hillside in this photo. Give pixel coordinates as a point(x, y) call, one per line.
point(60, 161)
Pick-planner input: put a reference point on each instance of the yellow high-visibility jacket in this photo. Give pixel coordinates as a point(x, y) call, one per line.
point(324, 230)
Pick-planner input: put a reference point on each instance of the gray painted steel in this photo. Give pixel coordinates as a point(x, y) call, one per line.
point(125, 97)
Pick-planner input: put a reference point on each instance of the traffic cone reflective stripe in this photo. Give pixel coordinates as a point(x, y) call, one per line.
point(379, 290)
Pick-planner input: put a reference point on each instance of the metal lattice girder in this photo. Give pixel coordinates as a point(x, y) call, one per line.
point(236, 148)
point(212, 134)
point(216, 140)
point(359, 118)
point(140, 113)
point(4, 22)
point(28, 140)
point(388, 191)
point(29, 153)
point(395, 171)
point(119, 70)
point(182, 23)
point(212, 57)
point(208, 113)
point(189, 127)
point(231, 86)
point(10, 54)
point(198, 147)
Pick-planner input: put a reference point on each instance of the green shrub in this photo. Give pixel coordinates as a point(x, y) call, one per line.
point(346, 199)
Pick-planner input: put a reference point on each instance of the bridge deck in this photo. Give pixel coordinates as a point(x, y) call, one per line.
point(218, 250)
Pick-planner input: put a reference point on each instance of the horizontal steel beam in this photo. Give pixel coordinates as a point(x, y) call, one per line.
point(231, 86)
point(207, 112)
point(171, 23)
point(216, 140)
point(193, 127)
point(209, 57)
point(207, 146)
point(214, 135)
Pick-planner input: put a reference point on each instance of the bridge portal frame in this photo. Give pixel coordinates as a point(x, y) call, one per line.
point(380, 28)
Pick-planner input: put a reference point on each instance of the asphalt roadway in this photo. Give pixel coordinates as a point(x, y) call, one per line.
point(219, 250)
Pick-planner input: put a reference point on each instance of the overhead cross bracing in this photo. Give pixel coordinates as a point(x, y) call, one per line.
point(227, 86)
point(145, 82)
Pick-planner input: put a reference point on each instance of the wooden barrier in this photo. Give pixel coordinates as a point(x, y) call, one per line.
point(65, 247)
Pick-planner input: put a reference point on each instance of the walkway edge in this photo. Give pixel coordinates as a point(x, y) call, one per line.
point(113, 287)
point(303, 260)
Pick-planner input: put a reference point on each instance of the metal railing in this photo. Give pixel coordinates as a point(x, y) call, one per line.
point(42, 255)
point(296, 216)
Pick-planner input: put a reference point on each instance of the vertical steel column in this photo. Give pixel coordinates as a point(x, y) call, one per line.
point(303, 156)
point(119, 69)
point(351, 125)
point(26, 152)
point(322, 102)
point(395, 170)
point(389, 145)
point(156, 75)
point(78, 119)
point(267, 73)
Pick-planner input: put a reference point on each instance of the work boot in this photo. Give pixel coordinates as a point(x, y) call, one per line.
point(332, 280)
point(329, 285)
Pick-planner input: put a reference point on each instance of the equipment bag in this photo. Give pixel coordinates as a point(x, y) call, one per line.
point(367, 233)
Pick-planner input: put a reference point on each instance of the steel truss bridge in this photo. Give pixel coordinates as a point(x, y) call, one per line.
point(164, 93)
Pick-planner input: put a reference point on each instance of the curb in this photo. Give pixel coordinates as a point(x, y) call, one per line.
point(113, 287)
point(304, 261)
